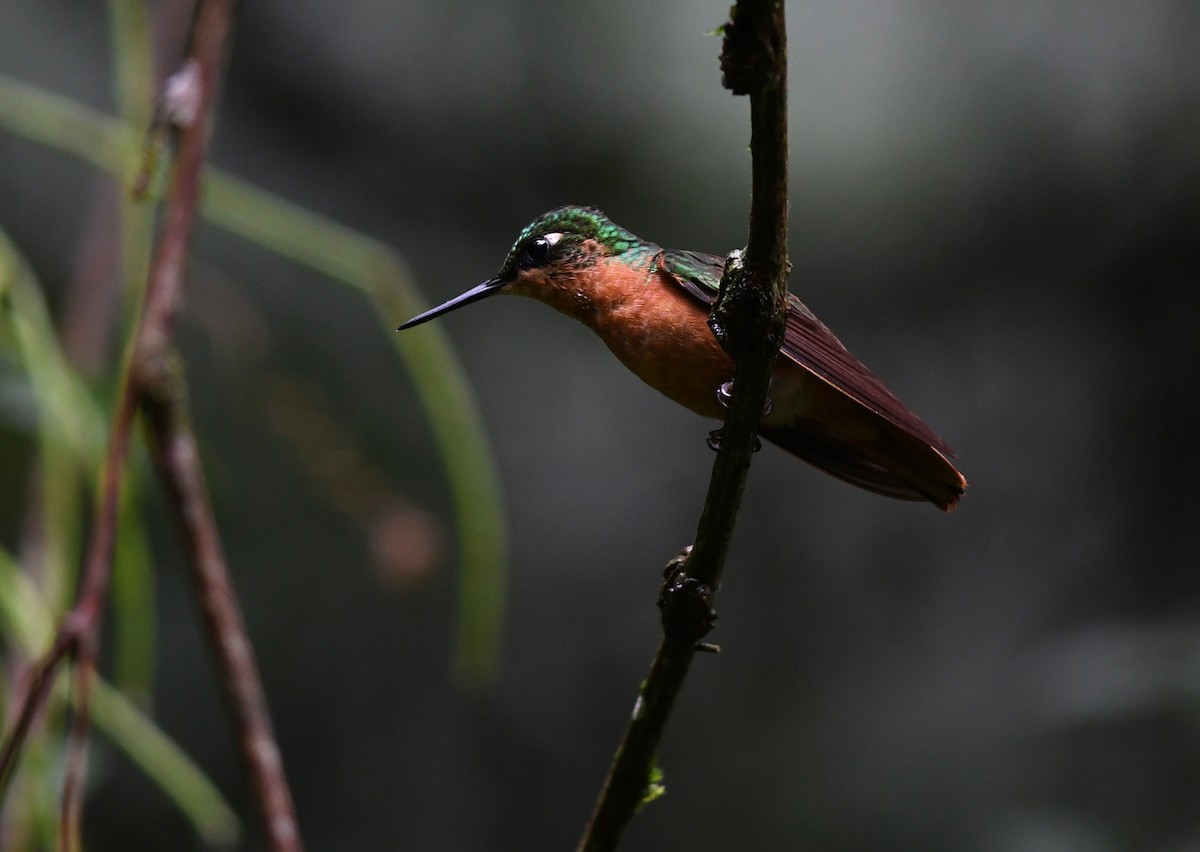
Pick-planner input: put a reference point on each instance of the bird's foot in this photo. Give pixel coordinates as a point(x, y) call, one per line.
point(714, 441)
point(725, 395)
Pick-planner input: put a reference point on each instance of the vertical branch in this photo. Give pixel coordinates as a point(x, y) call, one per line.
point(749, 314)
point(748, 320)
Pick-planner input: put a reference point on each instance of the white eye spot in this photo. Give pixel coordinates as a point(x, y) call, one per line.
point(553, 238)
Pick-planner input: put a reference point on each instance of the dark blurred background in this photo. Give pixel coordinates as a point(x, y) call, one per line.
point(994, 204)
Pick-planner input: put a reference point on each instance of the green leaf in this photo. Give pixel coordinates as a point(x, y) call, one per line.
point(369, 266)
point(655, 788)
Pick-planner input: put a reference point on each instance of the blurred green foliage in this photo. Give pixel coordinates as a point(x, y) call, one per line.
point(64, 412)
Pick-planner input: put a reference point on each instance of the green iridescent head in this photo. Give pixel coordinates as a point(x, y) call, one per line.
point(566, 235)
point(562, 234)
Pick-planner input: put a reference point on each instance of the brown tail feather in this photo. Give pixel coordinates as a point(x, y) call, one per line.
point(894, 464)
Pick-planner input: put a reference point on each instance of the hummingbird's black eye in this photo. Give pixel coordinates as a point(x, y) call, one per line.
point(537, 252)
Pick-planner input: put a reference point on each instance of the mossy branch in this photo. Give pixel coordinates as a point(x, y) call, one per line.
point(748, 320)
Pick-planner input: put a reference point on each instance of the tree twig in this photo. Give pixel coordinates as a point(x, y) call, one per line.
point(747, 319)
point(178, 461)
point(190, 96)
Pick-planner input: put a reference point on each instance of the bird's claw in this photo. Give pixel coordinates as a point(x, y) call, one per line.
point(725, 396)
point(714, 441)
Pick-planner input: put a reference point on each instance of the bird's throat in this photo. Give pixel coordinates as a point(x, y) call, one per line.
point(656, 329)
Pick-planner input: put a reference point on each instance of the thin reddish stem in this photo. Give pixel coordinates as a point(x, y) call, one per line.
point(189, 99)
point(178, 461)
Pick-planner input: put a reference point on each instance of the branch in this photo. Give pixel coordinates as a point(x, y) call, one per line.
point(177, 458)
point(188, 105)
point(748, 320)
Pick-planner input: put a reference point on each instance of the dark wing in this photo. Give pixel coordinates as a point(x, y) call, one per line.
point(809, 343)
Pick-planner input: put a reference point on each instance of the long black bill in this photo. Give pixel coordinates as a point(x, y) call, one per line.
point(481, 291)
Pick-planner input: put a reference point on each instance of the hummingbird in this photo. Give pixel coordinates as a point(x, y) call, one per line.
point(650, 306)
